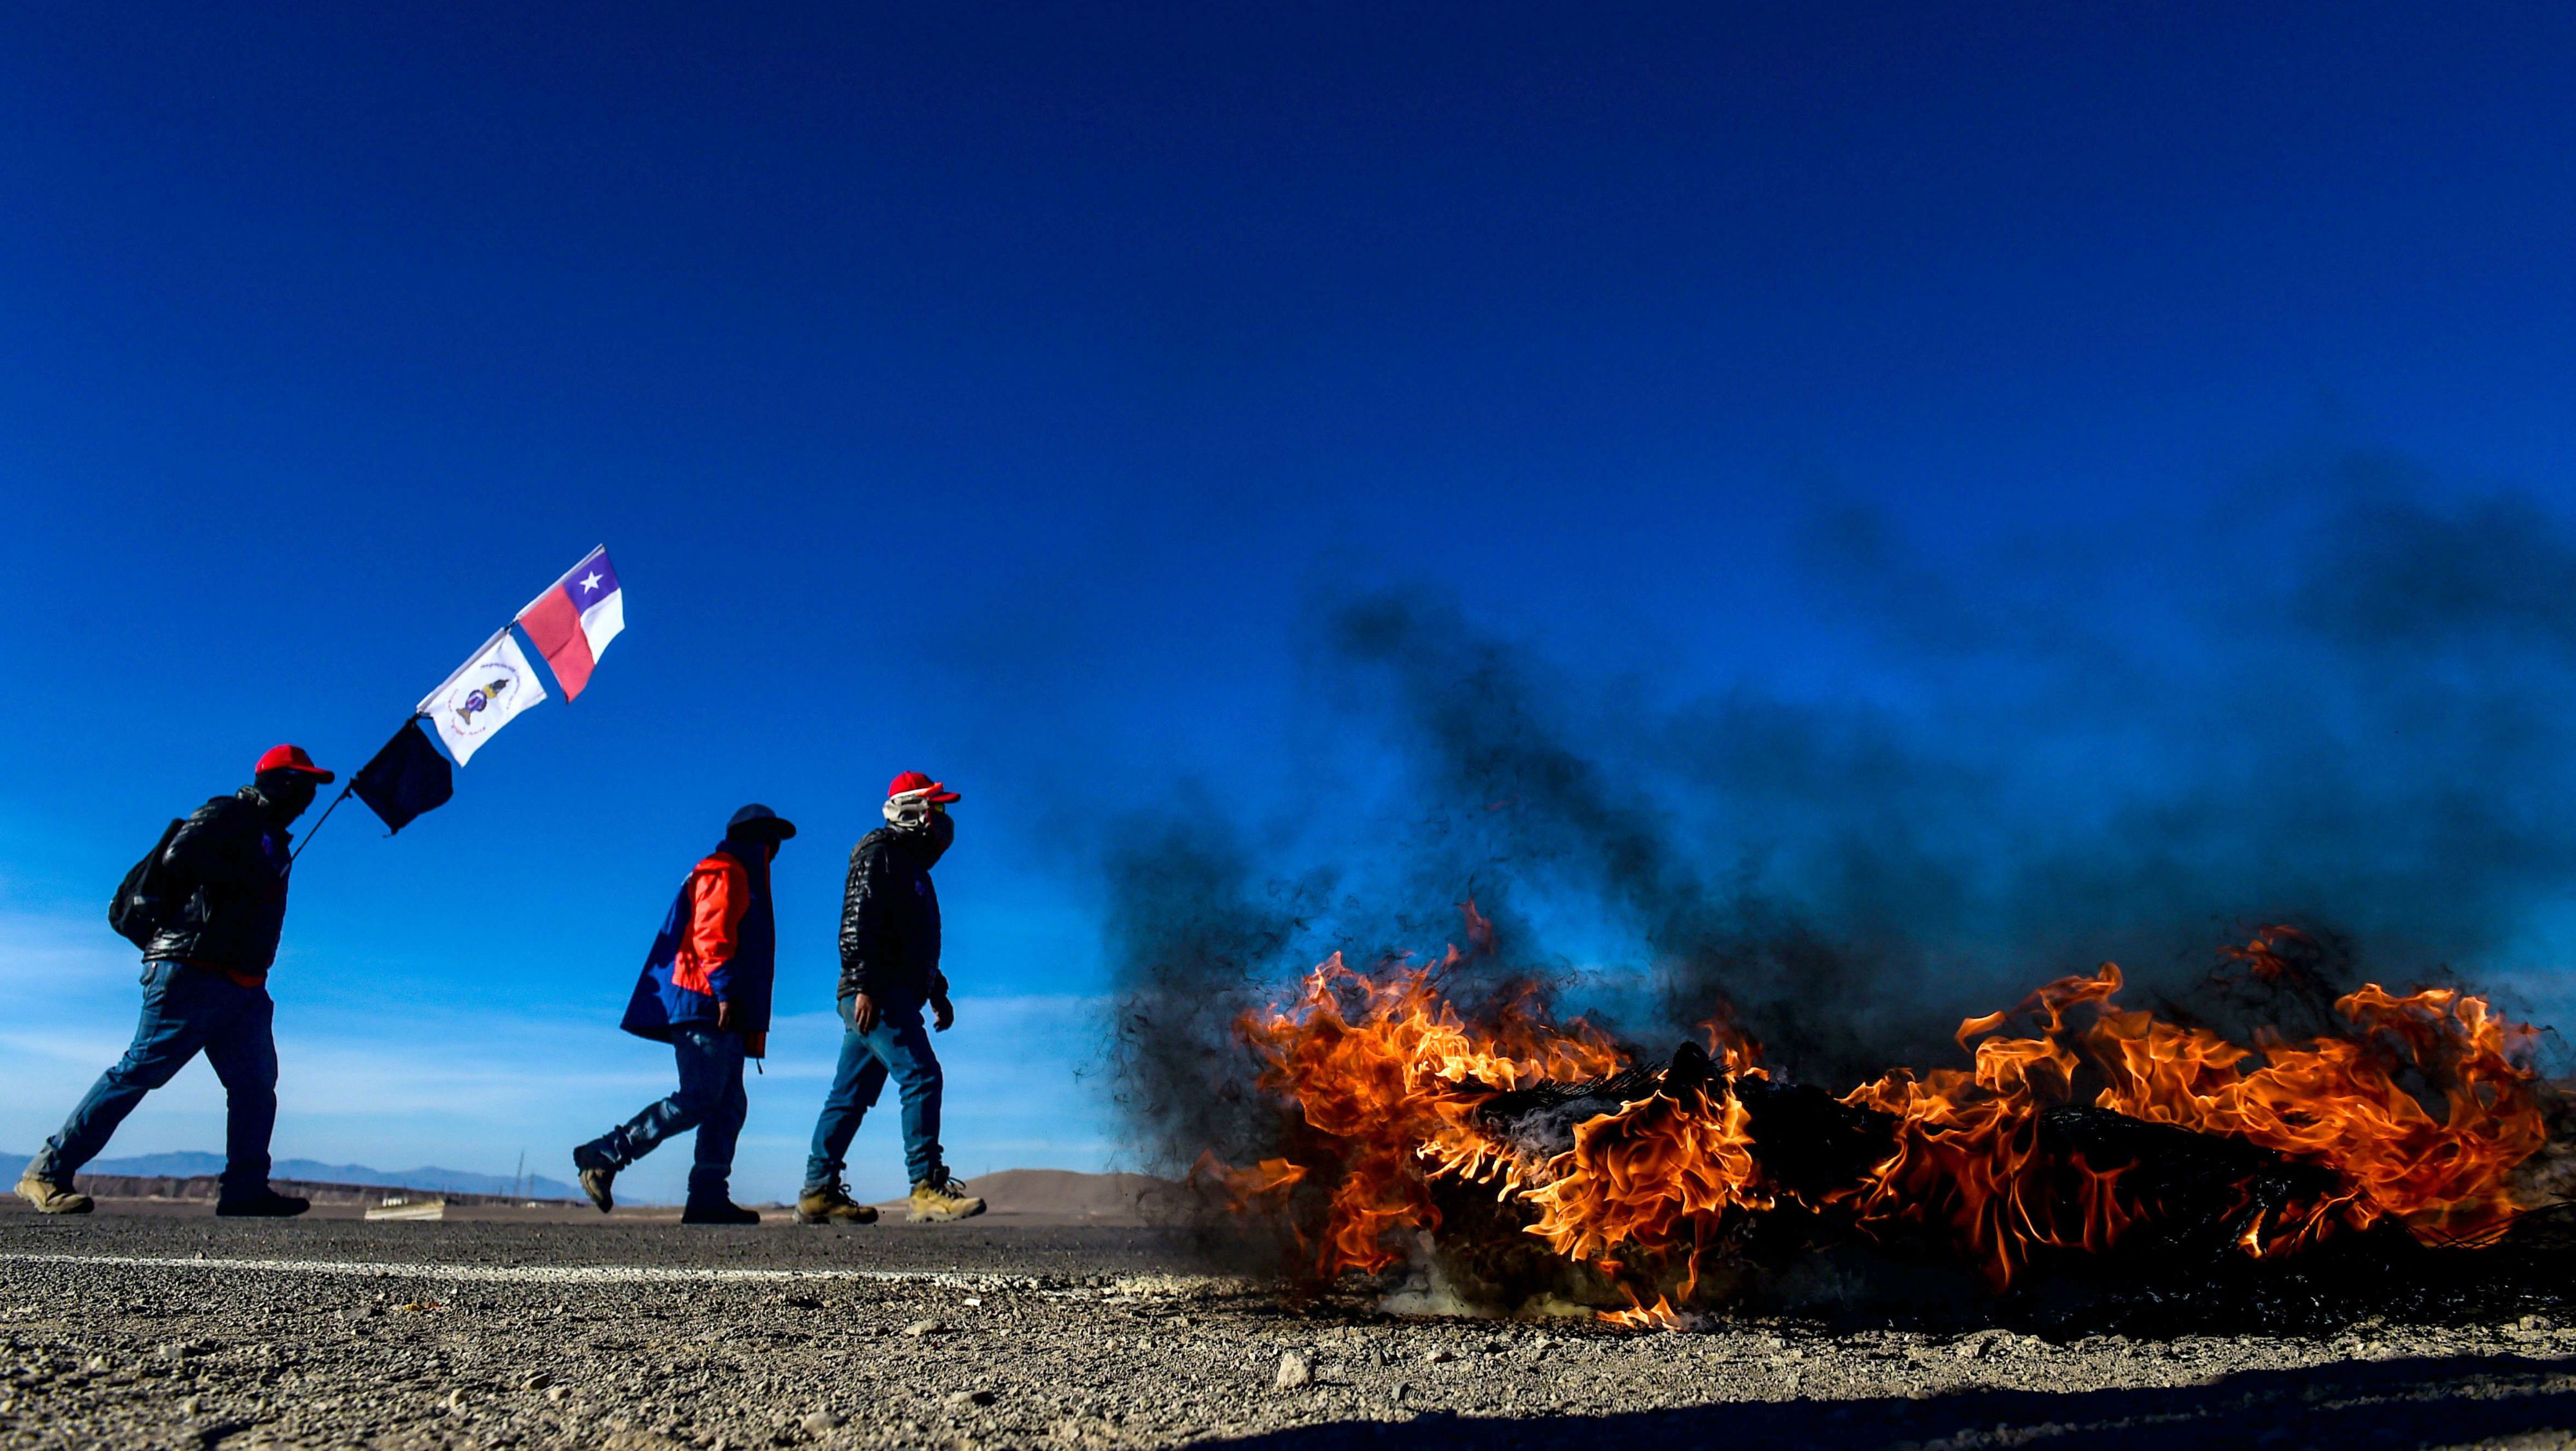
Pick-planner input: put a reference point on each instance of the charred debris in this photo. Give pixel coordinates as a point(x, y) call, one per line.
point(2178, 1268)
point(2101, 1169)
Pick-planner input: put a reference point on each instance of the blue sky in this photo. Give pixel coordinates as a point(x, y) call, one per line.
point(998, 390)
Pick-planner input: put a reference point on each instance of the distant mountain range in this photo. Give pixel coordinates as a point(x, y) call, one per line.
point(311, 1171)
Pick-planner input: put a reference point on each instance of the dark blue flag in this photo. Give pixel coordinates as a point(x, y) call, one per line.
point(406, 778)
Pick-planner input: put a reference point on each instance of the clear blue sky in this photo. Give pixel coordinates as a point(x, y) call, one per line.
point(995, 391)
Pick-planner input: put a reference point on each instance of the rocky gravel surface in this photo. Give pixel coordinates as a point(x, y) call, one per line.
point(163, 1331)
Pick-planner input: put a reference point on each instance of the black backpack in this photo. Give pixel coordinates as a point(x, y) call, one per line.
point(137, 910)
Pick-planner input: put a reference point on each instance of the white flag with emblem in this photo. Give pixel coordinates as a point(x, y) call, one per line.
point(482, 696)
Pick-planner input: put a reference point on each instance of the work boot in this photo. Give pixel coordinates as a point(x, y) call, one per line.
point(596, 1174)
point(940, 1199)
point(832, 1204)
point(722, 1211)
point(266, 1204)
point(51, 1195)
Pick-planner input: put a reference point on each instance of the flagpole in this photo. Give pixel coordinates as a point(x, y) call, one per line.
point(317, 825)
point(420, 714)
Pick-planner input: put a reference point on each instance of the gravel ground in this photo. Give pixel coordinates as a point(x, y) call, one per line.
point(161, 1330)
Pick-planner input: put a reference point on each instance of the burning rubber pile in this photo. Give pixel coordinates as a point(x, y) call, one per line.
point(1520, 1164)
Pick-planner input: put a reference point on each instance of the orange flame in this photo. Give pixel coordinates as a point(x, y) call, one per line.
point(2337, 1102)
point(1658, 1316)
point(1389, 1076)
point(1242, 1189)
point(1966, 1140)
point(1646, 1173)
point(1389, 1070)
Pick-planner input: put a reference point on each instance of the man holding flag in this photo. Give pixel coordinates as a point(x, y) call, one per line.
point(209, 903)
point(207, 907)
point(705, 990)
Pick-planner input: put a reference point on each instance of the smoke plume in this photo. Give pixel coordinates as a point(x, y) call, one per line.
point(2348, 705)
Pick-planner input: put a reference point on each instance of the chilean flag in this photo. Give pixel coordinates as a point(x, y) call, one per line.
point(573, 622)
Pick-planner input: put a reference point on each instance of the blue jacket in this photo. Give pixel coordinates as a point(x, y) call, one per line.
point(718, 944)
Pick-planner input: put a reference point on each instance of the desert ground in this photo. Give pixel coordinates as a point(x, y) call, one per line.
point(158, 1325)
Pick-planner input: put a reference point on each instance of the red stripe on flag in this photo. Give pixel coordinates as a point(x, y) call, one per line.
point(555, 626)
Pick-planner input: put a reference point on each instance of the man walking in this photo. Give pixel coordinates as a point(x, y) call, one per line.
point(219, 894)
point(705, 991)
point(889, 972)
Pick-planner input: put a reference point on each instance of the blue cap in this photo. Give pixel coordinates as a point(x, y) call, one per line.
point(759, 820)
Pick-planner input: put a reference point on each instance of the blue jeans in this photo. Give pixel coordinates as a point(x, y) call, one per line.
point(710, 1100)
point(897, 1046)
point(186, 1010)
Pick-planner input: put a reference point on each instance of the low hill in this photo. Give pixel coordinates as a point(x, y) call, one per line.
point(193, 1165)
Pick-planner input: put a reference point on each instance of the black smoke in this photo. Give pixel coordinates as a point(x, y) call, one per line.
point(2347, 703)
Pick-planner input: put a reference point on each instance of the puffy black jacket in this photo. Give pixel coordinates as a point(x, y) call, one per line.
point(890, 921)
point(229, 860)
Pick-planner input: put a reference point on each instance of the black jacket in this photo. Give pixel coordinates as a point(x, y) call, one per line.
point(890, 921)
point(227, 871)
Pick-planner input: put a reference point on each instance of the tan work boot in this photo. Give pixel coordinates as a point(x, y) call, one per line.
point(941, 1199)
point(52, 1196)
point(600, 1185)
point(832, 1204)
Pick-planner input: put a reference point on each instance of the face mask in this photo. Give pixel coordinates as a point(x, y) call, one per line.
point(938, 834)
point(288, 793)
point(909, 811)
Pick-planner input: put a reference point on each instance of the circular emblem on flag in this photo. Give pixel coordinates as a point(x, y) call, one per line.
point(483, 703)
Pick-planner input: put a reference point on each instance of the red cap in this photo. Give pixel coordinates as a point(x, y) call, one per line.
point(912, 781)
point(291, 758)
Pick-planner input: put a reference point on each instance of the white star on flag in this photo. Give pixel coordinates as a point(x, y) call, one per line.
point(573, 622)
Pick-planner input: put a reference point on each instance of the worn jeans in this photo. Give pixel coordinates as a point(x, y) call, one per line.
point(186, 1010)
point(710, 1100)
point(898, 1046)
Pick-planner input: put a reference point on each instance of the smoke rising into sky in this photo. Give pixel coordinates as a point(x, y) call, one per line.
point(2341, 698)
point(1401, 421)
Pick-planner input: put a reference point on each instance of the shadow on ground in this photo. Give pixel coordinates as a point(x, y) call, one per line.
point(2454, 1401)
